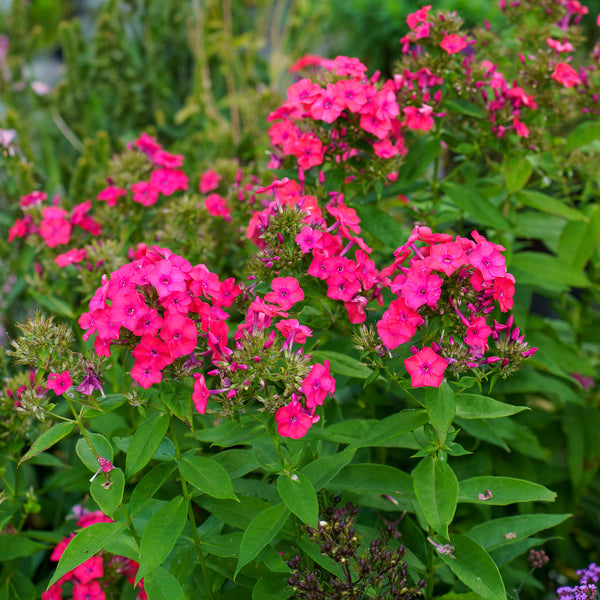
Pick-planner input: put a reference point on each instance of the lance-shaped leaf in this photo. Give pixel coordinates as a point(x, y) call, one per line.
point(441, 409)
point(207, 475)
point(48, 439)
point(161, 585)
point(502, 490)
point(474, 406)
point(436, 489)
point(108, 495)
point(101, 445)
point(145, 443)
point(299, 496)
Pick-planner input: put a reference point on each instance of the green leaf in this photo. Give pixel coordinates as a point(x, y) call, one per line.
point(504, 490)
point(321, 471)
point(579, 241)
point(107, 404)
point(84, 545)
point(16, 585)
point(436, 489)
point(342, 364)
point(161, 533)
point(272, 586)
point(109, 498)
point(150, 483)
point(178, 401)
point(299, 496)
point(474, 406)
point(145, 442)
point(550, 205)
point(475, 205)
point(422, 152)
point(380, 224)
point(517, 172)
point(545, 267)
point(392, 427)
point(464, 108)
point(370, 478)
point(207, 475)
point(582, 135)
point(15, 546)
point(101, 445)
point(48, 439)
point(441, 409)
point(262, 529)
point(161, 585)
point(509, 530)
point(54, 305)
point(474, 567)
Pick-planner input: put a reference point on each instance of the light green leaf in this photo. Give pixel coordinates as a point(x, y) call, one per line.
point(207, 475)
point(342, 364)
point(84, 545)
point(150, 483)
point(263, 528)
point(517, 172)
point(548, 204)
point(161, 585)
point(582, 135)
point(109, 498)
point(145, 442)
point(474, 567)
point(161, 533)
point(101, 445)
point(503, 490)
point(380, 225)
point(436, 489)
point(545, 267)
point(54, 305)
point(299, 496)
point(474, 406)
point(48, 439)
point(441, 409)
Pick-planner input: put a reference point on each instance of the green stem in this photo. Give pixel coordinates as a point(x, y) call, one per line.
point(430, 570)
point(192, 517)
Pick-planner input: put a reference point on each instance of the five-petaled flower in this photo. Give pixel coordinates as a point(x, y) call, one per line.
point(59, 382)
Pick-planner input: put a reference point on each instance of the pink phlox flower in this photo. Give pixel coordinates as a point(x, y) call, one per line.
point(209, 181)
point(293, 421)
point(21, 228)
point(419, 118)
point(144, 193)
point(152, 352)
point(386, 149)
point(80, 218)
point(453, 43)
point(145, 375)
point(88, 591)
point(148, 324)
point(286, 292)
point(398, 324)
point(147, 144)
point(54, 592)
point(342, 287)
point(346, 217)
point(228, 292)
point(559, 46)
point(166, 278)
point(32, 199)
point(285, 134)
point(90, 569)
point(421, 288)
point(73, 256)
point(168, 160)
point(418, 16)
point(353, 94)
point(487, 258)
point(60, 548)
point(304, 93)
point(520, 98)
point(355, 307)
point(308, 239)
point(318, 384)
point(575, 7)
point(200, 393)
point(59, 382)
point(203, 282)
point(478, 333)
point(503, 291)
point(565, 74)
point(370, 122)
point(216, 206)
point(447, 257)
point(91, 518)
point(180, 334)
point(55, 228)
point(345, 66)
point(111, 194)
point(169, 181)
point(426, 368)
point(521, 129)
point(292, 331)
point(127, 309)
point(309, 150)
point(328, 106)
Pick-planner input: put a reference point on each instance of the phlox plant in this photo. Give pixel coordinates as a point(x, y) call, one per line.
point(326, 376)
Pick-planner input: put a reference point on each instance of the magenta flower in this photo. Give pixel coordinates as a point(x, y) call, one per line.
point(317, 384)
point(566, 74)
point(88, 591)
point(286, 292)
point(200, 393)
point(292, 420)
point(59, 382)
point(92, 568)
point(426, 368)
point(453, 43)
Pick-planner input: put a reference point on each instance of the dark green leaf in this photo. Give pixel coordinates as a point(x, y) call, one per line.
point(392, 427)
point(582, 135)
point(546, 267)
point(370, 478)
point(464, 108)
point(150, 483)
point(299, 496)
point(474, 406)
point(145, 442)
point(441, 409)
point(108, 498)
point(381, 225)
point(322, 470)
point(14, 546)
point(161, 533)
point(548, 204)
point(101, 445)
point(503, 490)
point(207, 475)
point(517, 172)
point(342, 364)
point(161, 585)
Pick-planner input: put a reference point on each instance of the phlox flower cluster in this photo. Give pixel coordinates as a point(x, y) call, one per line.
point(54, 225)
point(97, 578)
point(587, 587)
point(328, 119)
point(165, 177)
point(169, 311)
point(460, 281)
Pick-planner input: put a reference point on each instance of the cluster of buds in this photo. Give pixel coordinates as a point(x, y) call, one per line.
point(380, 570)
point(97, 578)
